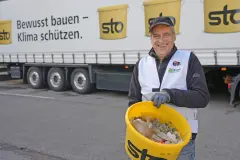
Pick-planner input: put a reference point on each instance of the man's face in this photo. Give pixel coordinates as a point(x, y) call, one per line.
point(162, 40)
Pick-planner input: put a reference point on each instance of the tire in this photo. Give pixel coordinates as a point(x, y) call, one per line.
point(56, 79)
point(35, 77)
point(80, 81)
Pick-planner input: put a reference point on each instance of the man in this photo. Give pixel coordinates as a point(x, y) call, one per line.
point(169, 75)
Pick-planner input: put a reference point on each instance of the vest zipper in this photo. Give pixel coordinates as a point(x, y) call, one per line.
point(159, 68)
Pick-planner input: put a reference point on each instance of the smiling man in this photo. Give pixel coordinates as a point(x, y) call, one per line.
point(169, 75)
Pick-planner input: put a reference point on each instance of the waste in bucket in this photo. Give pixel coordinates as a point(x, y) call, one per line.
point(113, 22)
point(222, 16)
point(156, 8)
point(139, 147)
point(5, 32)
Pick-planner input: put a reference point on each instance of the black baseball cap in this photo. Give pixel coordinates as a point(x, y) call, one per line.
point(166, 20)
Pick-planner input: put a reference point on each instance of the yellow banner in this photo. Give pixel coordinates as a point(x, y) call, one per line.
point(222, 16)
point(159, 8)
point(6, 32)
point(113, 22)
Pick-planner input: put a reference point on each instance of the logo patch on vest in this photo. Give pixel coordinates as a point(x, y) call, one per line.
point(176, 63)
point(172, 70)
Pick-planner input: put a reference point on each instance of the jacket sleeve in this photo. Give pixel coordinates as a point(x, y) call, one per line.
point(197, 95)
point(134, 94)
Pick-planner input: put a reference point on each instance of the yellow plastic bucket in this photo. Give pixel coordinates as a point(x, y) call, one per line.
point(222, 16)
point(5, 32)
point(139, 147)
point(156, 8)
point(113, 22)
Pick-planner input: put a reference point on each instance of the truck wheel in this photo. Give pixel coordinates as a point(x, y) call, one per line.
point(56, 79)
point(35, 77)
point(80, 81)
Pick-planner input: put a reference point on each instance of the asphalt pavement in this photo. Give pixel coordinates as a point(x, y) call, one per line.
point(47, 125)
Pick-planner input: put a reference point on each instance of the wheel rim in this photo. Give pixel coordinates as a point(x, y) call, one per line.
point(34, 78)
point(55, 79)
point(80, 81)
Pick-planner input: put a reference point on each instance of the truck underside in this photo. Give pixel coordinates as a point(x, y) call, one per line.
point(82, 79)
point(225, 79)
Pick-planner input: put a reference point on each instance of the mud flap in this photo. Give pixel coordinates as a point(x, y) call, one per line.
point(234, 91)
point(24, 74)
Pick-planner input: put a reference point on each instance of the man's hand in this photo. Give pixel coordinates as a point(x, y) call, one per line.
point(160, 98)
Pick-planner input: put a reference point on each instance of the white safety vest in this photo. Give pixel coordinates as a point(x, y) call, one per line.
point(174, 77)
